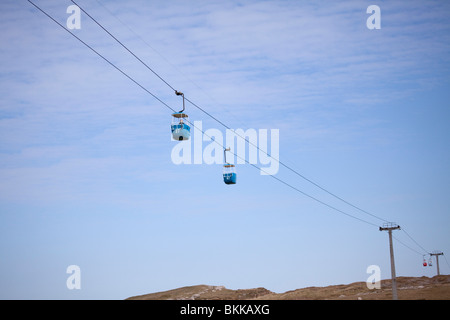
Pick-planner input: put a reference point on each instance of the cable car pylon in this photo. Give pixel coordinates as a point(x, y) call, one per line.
point(436, 253)
point(389, 227)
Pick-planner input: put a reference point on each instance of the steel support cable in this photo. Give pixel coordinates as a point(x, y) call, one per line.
point(415, 241)
point(407, 246)
point(226, 126)
point(166, 105)
point(124, 46)
point(100, 55)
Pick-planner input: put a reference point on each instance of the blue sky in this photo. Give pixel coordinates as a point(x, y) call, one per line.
point(85, 165)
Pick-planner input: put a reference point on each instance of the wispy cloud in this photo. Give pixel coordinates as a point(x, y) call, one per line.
point(262, 63)
point(78, 140)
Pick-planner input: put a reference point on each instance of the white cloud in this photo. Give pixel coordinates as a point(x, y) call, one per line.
point(78, 138)
point(265, 64)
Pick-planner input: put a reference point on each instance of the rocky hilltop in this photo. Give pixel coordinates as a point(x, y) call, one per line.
point(409, 288)
point(204, 292)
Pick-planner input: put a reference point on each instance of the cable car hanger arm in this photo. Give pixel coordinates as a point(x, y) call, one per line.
point(225, 154)
point(180, 94)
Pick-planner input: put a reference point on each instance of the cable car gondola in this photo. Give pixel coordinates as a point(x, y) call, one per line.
point(229, 170)
point(180, 127)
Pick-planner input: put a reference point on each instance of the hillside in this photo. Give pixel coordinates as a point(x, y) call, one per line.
point(409, 288)
point(204, 292)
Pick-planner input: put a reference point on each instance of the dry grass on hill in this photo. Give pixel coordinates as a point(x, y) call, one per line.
point(409, 288)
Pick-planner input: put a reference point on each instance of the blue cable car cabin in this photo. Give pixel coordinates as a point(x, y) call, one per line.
point(180, 129)
point(229, 170)
point(229, 174)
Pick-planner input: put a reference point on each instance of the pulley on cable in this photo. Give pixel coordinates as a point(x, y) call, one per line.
point(180, 127)
point(229, 170)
